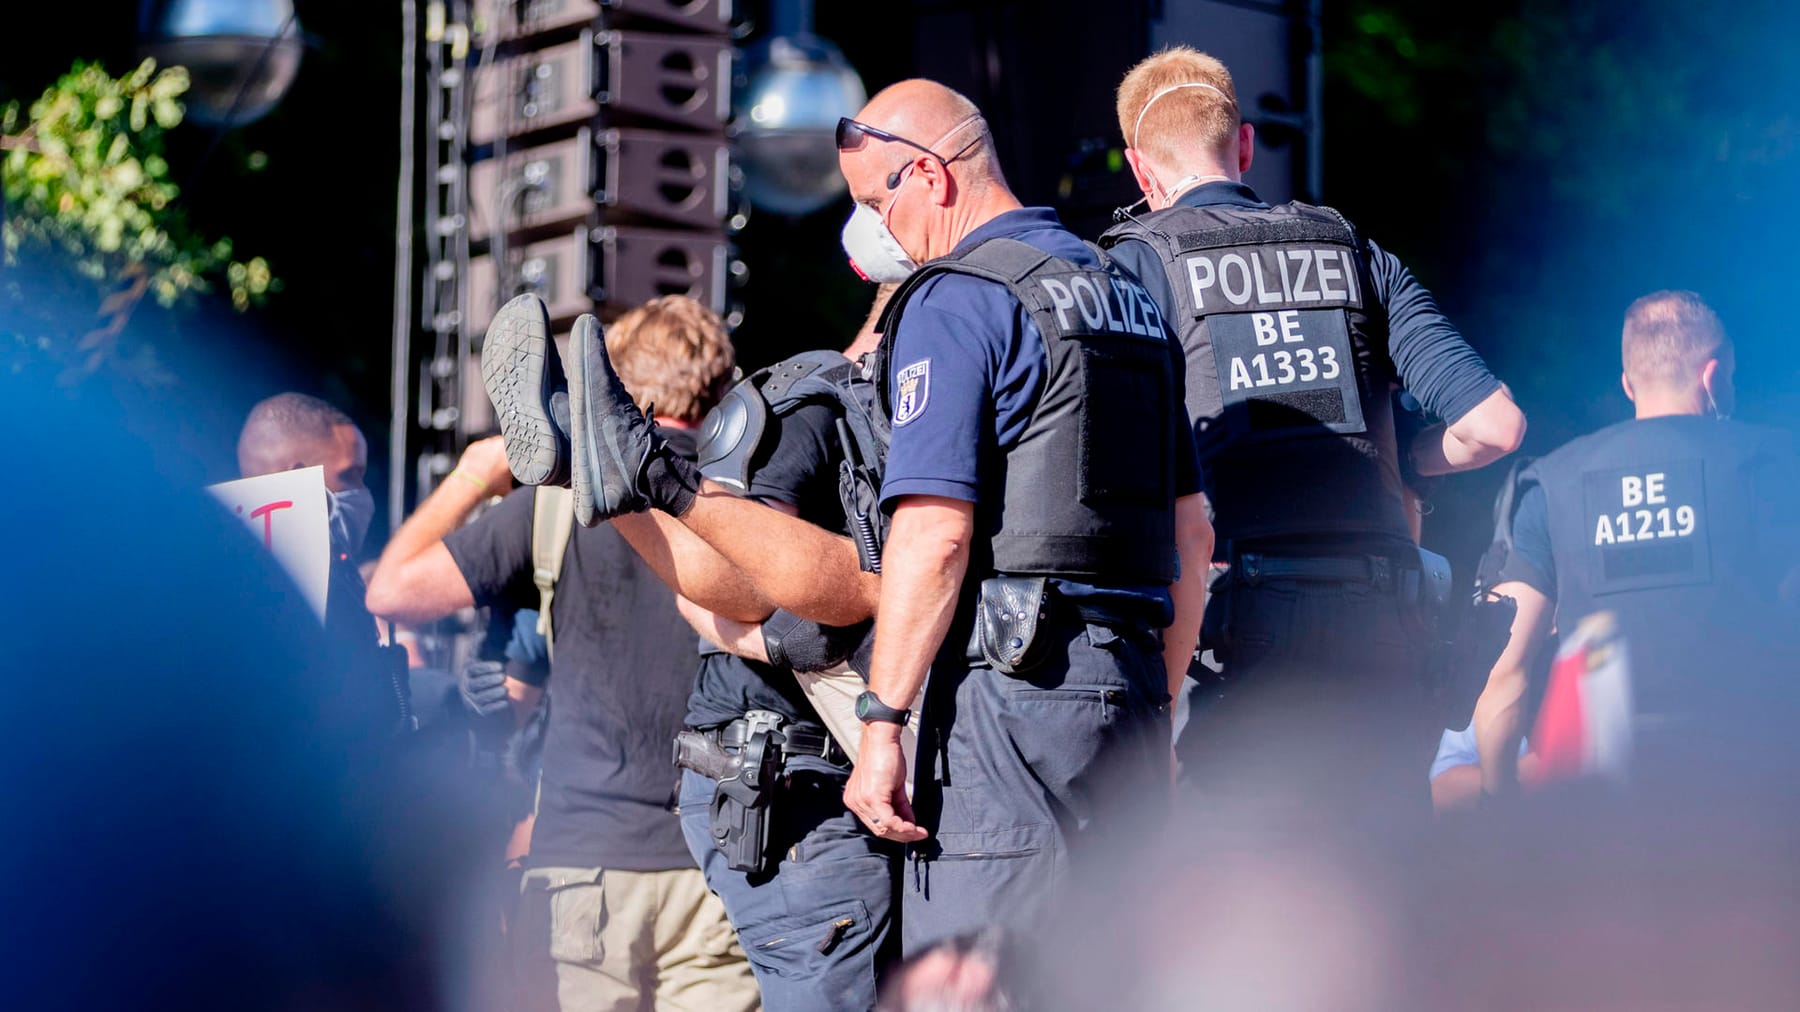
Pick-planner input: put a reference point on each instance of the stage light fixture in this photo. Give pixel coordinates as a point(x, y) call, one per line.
point(242, 55)
point(786, 119)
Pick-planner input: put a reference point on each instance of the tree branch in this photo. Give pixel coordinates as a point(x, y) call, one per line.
point(26, 141)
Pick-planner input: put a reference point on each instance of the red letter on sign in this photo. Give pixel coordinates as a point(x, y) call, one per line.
point(267, 512)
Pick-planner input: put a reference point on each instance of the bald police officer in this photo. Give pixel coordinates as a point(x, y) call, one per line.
point(1040, 478)
point(1296, 330)
point(1682, 524)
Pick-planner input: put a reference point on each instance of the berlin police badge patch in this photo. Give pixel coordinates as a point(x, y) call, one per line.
point(912, 389)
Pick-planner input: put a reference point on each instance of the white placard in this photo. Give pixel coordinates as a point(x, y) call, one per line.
point(287, 512)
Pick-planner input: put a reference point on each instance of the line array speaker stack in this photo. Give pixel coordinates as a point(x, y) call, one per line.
point(601, 174)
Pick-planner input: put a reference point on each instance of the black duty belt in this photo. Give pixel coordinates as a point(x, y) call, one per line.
point(797, 740)
point(1405, 572)
point(1378, 570)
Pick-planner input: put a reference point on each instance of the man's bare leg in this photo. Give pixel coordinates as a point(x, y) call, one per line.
point(624, 467)
point(743, 559)
point(797, 565)
point(692, 568)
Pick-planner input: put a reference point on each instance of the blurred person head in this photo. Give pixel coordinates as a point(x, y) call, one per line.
point(292, 430)
point(1583, 897)
point(962, 973)
point(1178, 112)
point(921, 166)
point(673, 354)
point(1678, 359)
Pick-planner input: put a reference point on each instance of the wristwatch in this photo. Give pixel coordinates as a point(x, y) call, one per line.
point(870, 708)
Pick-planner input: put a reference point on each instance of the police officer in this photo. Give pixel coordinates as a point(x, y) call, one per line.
point(1296, 329)
point(1039, 479)
point(1681, 523)
point(809, 890)
point(820, 918)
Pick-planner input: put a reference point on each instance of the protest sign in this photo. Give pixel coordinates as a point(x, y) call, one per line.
point(287, 513)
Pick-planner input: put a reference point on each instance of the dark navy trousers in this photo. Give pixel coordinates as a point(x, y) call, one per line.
point(1025, 781)
point(1321, 718)
point(820, 925)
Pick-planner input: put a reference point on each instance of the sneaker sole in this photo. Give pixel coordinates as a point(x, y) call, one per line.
point(582, 466)
point(515, 368)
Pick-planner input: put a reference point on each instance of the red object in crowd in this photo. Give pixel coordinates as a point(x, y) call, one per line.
point(1584, 725)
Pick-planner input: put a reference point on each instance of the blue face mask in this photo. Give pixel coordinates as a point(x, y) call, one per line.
point(351, 514)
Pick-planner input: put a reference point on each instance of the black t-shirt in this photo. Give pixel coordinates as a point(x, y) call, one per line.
point(1531, 561)
point(800, 467)
point(624, 665)
point(797, 464)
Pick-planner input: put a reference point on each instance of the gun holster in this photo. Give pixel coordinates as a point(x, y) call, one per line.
point(1435, 581)
point(1467, 655)
point(745, 785)
point(1009, 613)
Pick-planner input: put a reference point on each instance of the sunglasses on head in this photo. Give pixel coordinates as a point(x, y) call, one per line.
point(851, 135)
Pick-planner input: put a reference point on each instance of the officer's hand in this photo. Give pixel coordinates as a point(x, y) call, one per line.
point(483, 688)
point(485, 461)
point(877, 788)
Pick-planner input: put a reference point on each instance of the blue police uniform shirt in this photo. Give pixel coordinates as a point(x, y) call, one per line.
point(1434, 362)
point(528, 649)
point(977, 362)
point(1458, 748)
point(1531, 561)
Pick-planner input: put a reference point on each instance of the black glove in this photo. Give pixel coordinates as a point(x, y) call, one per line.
point(798, 645)
point(523, 756)
point(483, 688)
point(864, 653)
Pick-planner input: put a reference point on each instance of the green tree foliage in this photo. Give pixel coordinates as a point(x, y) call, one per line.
point(88, 194)
point(1606, 104)
point(1540, 162)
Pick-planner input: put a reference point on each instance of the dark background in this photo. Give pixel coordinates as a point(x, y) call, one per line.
point(1538, 165)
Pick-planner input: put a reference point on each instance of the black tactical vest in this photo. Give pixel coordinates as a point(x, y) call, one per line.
point(1088, 491)
point(737, 426)
point(1684, 527)
point(1289, 379)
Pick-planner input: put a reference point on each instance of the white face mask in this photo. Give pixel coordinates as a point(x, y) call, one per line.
point(874, 252)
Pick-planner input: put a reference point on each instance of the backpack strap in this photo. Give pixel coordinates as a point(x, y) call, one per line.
point(552, 524)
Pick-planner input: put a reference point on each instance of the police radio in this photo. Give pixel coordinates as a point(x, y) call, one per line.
point(859, 488)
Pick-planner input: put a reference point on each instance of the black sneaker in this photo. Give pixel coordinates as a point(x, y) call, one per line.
point(524, 378)
point(611, 438)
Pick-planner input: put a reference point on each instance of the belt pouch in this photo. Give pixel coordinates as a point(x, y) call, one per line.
point(1008, 614)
